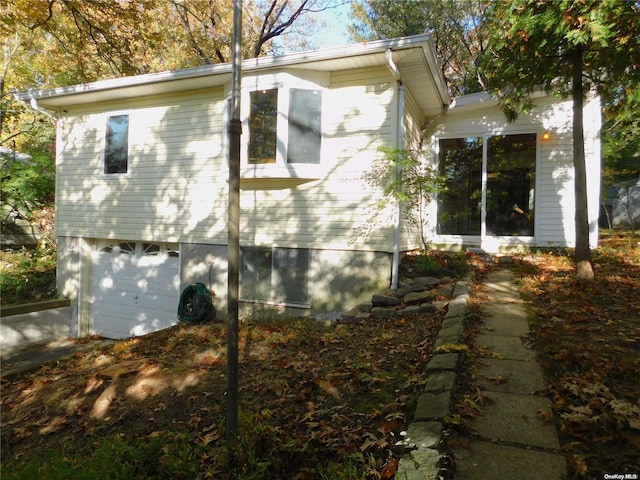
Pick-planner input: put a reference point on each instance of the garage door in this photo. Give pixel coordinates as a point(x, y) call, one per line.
point(134, 287)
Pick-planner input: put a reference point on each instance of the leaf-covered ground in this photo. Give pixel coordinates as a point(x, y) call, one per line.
point(317, 401)
point(588, 340)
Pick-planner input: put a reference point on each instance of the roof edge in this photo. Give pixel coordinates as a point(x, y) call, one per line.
point(248, 65)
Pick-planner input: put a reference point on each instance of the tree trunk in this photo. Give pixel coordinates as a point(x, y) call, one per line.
point(584, 267)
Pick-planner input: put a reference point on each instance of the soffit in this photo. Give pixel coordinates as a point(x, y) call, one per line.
point(413, 55)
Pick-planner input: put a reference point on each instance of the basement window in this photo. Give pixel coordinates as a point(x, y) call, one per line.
point(275, 275)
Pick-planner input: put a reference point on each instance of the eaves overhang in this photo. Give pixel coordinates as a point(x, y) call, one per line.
point(415, 57)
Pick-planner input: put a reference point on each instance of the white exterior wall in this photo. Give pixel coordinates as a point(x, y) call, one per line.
point(176, 185)
point(175, 188)
point(554, 196)
point(332, 211)
point(414, 122)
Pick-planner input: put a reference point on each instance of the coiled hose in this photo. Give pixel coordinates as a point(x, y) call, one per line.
point(196, 304)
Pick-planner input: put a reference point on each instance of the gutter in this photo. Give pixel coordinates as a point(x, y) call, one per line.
point(34, 104)
point(393, 68)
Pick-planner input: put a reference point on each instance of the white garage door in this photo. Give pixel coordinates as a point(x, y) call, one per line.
point(134, 287)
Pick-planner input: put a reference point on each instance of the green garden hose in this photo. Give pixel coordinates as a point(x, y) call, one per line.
point(196, 304)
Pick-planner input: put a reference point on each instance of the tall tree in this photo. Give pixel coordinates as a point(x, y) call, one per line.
point(51, 43)
point(567, 47)
point(455, 26)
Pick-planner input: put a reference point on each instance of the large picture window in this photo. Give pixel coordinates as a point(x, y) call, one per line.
point(116, 149)
point(490, 180)
point(275, 275)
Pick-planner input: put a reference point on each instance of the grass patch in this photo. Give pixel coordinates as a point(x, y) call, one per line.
point(27, 275)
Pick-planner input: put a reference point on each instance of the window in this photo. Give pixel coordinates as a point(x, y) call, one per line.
point(459, 205)
point(116, 149)
point(275, 275)
point(138, 249)
point(128, 248)
point(511, 180)
point(305, 126)
point(263, 119)
point(505, 199)
point(150, 249)
point(282, 118)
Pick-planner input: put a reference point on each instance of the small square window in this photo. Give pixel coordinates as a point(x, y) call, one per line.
point(116, 149)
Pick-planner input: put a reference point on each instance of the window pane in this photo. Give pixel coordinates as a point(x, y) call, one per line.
point(150, 249)
point(290, 268)
point(127, 247)
point(263, 117)
point(511, 179)
point(173, 249)
point(460, 204)
point(117, 144)
point(305, 126)
point(256, 273)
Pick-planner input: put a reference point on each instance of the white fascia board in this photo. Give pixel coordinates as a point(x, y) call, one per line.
point(59, 97)
point(477, 100)
point(436, 71)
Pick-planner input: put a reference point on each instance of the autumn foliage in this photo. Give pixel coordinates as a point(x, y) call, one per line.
point(588, 341)
point(316, 401)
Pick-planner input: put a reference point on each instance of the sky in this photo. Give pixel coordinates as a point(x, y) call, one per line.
point(334, 34)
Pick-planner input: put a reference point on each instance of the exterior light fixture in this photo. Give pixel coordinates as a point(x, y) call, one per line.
point(546, 136)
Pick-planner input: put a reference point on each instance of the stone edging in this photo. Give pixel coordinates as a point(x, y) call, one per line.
point(425, 433)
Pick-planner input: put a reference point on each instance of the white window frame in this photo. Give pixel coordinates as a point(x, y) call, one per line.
point(165, 247)
point(484, 237)
point(284, 82)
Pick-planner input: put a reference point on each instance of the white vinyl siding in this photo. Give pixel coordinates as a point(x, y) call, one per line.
point(176, 188)
point(332, 211)
point(413, 123)
point(176, 185)
point(554, 176)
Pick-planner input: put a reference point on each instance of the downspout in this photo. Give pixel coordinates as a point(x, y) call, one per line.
point(395, 265)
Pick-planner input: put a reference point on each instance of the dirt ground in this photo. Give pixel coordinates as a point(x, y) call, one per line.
point(328, 389)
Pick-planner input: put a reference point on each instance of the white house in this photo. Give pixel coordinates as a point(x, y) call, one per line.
point(142, 180)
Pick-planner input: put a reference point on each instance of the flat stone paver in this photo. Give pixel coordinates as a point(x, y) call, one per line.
point(488, 461)
point(509, 320)
point(510, 376)
point(514, 418)
point(511, 438)
point(507, 347)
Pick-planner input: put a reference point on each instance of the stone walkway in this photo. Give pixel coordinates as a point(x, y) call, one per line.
point(511, 438)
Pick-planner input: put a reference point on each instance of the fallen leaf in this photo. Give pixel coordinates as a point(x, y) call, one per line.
point(328, 387)
point(53, 426)
point(389, 469)
point(545, 415)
